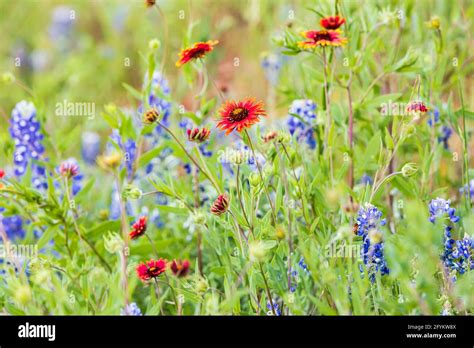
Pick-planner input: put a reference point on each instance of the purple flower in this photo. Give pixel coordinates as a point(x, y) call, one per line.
point(301, 121)
point(439, 208)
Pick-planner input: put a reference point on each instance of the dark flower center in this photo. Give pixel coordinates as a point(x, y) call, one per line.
point(323, 35)
point(238, 114)
point(152, 269)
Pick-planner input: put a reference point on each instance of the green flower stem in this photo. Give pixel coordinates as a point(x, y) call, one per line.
point(261, 178)
point(209, 177)
point(77, 229)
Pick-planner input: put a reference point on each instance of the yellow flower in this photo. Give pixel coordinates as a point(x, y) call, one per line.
point(111, 161)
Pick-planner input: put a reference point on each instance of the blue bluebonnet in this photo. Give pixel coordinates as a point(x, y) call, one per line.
point(444, 132)
point(271, 64)
point(369, 219)
point(366, 179)
point(276, 307)
point(131, 309)
point(294, 274)
point(440, 208)
point(90, 147)
point(25, 130)
point(302, 125)
point(158, 97)
point(457, 253)
point(129, 148)
point(61, 26)
point(13, 226)
point(468, 189)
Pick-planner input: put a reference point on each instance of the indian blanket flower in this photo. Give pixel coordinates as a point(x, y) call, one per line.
point(440, 208)
point(2, 173)
point(151, 269)
point(199, 50)
point(368, 224)
point(220, 205)
point(131, 309)
point(332, 22)
point(302, 120)
point(180, 268)
point(323, 38)
point(198, 135)
point(25, 130)
point(138, 228)
point(240, 115)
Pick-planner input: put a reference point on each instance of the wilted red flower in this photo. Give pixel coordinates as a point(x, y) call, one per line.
point(138, 228)
point(199, 50)
point(417, 106)
point(151, 269)
point(2, 173)
point(198, 135)
point(68, 169)
point(220, 205)
point(151, 116)
point(332, 22)
point(270, 136)
point(322, 38)
point(239, 115)
point(150, 3)
point(180, 268)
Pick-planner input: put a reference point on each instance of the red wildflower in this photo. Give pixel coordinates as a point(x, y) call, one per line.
point(322, 38)
point(151, 269)
point(198, 135)
point(270, 136)
point(220, 205)
point(332, 22)
point(2, 173)
point(417, 106)
point(199, 50)
point(240, 115)
point(68, 169)
point(151, 116)
point(180, 268)
point(138, 228)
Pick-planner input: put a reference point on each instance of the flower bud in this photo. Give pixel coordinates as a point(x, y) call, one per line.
point(409, 169)
point(254, 179)
point(280, 232)
point(198, 135)
point(283, 137)
point(113, 243)
point(154, 44)
point(8, 78)
point(151, 116)
point(132, 192)
point(201, 286)
point(434, 22)
point(257, 251)
point(23, 295)
point(220, 205)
